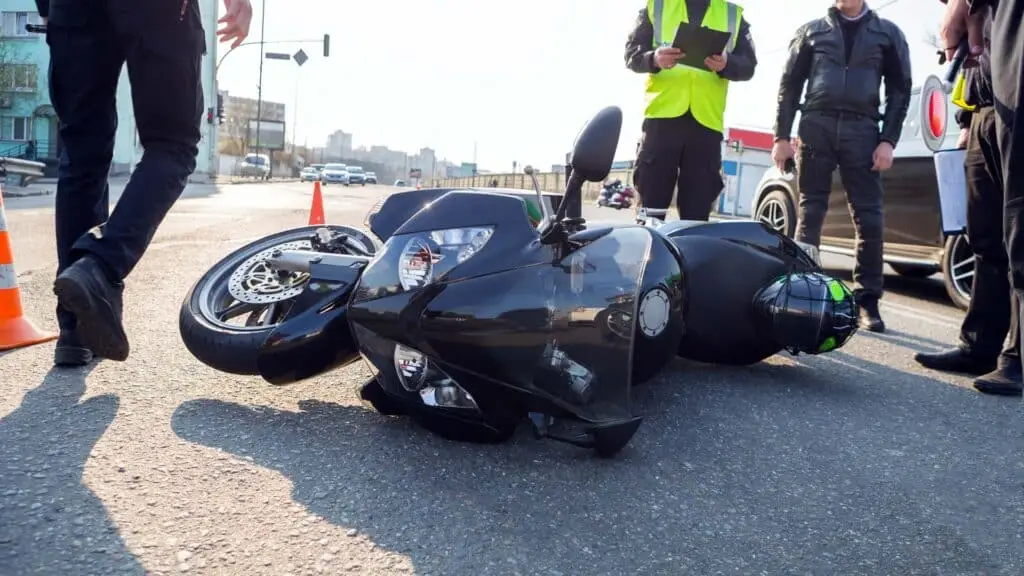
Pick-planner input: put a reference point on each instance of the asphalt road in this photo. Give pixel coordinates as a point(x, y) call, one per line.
point(854, 462)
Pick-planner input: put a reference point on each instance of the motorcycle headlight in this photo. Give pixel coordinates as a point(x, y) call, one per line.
point(435, 388)
point(428, 256)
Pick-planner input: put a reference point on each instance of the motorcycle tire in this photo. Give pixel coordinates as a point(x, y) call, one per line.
point(235, 349)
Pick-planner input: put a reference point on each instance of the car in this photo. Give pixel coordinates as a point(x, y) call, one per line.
point(356, 175)
point(916, 243)
point(400, 183)
point(318, 167)
point(309, 174)
point(255, 166)
point(335, 174)
point(371, 178)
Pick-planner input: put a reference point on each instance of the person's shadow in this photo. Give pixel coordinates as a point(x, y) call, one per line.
point(50, 522)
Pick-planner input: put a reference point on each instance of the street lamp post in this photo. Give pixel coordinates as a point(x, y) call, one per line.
point(259, 87)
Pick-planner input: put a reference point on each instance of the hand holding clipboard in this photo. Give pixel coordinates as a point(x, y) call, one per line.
point(697, 47)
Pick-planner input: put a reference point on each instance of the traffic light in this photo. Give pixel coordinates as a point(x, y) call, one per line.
point(209, 115)
point(220, 108)
point(327, 45)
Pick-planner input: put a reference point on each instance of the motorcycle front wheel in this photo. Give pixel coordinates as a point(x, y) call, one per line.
point(230, 311)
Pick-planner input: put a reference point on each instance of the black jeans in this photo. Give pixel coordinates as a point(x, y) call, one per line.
point(989, 316)
point(847, 141)
point(1007, 82)
point(85, 65)
point(679, 152)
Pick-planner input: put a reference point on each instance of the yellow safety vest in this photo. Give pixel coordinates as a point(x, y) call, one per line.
point(958, 93)
point(673, 92)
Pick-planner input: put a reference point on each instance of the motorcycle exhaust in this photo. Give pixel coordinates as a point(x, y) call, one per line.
point(303, 260)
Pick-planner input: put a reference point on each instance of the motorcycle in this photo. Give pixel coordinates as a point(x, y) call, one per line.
point(477, 311)
point(615, 195)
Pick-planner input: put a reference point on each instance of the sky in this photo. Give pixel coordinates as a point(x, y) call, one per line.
point(501, 82)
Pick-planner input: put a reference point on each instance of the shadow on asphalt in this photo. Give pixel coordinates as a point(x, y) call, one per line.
point(929, 289)
point(766, 469)
point(50, 522)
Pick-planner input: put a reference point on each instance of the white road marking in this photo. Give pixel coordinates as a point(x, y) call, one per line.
point(921, 315)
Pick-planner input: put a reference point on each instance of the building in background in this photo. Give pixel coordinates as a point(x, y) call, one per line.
point(238, 112)
point(28, 123)
point(339, 145)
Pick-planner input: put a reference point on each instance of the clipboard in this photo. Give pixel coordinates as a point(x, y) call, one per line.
point(697, 43)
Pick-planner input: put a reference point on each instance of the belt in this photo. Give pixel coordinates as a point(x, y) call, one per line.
point(841, 114)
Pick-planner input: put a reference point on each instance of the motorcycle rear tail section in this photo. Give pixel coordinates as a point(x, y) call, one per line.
point(315, 337)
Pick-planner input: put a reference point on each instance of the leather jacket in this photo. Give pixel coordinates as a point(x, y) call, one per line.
point(817, 58)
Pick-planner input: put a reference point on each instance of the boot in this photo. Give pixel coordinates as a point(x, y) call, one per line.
point(1005, 380)
point(870, 318)
point(86, 290)
point(958, 359)
point(70, 352)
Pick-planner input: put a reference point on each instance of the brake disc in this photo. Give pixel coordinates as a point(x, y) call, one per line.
point(255, 281)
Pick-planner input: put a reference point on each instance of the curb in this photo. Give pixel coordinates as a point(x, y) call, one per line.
point(24, 193)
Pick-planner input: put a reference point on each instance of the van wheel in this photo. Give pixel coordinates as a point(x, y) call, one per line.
point(958, 270)
point(777, 211)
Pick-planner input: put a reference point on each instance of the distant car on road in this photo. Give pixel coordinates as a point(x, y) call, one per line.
point(255, 166)
point(335, 174)
point(915, 243)
point(318, 167)
point(400, 183)
point(309, 174)
point(371, 178)
point(356, 175)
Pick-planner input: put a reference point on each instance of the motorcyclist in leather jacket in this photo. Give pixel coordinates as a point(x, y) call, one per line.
point(843, 59)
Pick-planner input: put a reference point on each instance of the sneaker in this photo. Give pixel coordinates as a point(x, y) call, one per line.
point(70, 353)
point(87, 292)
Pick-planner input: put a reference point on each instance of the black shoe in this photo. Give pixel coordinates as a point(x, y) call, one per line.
point(86, 291)
point(1006, 380)
point(870, 318)
point(70, 353)
point(956, 360)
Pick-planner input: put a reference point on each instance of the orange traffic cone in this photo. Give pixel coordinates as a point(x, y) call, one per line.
point(316, 212)
point(16, 330)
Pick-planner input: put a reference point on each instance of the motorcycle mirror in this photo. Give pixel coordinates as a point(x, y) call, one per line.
point(529, 171)
point(594, 150)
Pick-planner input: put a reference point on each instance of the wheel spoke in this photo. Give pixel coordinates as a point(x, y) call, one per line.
point(235, 310)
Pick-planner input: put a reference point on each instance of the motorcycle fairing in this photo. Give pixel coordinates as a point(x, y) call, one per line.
point(556, 337)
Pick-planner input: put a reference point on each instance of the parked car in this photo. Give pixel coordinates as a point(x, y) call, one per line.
point(916, 245)
point(309, 174)
point(356, 175)
point(371, 178)
point(255, 166)
point(335, 174)
point(400, 183)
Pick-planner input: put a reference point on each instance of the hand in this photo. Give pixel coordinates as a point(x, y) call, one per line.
point(782, 151)
point(666, 57)
point(716, 62)
point(882, 157)
point(956, 22)
point(961, 142)
point(236, 20)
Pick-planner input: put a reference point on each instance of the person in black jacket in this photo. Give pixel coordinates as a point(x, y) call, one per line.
point(682, 137)
point(162, 43)
point(843, 58)
point(966, 18)
point(992, 312)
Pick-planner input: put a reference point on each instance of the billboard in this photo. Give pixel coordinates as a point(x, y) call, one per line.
point(271, 135)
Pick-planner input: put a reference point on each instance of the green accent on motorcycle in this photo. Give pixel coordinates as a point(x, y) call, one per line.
point(837, 290)
point(828, 344)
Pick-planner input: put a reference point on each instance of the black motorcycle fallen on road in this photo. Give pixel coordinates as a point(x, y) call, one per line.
point(478, 310)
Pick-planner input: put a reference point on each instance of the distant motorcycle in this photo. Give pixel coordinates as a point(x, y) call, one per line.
point(615, 195)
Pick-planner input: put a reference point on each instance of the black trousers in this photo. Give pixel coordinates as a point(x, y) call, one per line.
point(848, 142)
point(679, 152)
point(164, 70)
point(1007, 82)
point(992, 313)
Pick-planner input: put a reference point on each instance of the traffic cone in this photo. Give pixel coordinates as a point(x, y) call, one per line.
point(16, 330)
point(316, 212)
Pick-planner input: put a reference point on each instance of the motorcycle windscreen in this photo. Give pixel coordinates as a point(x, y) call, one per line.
point(593, 293)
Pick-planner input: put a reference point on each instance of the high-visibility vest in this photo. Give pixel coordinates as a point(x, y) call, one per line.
point(958, 93)
point(673, 92)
